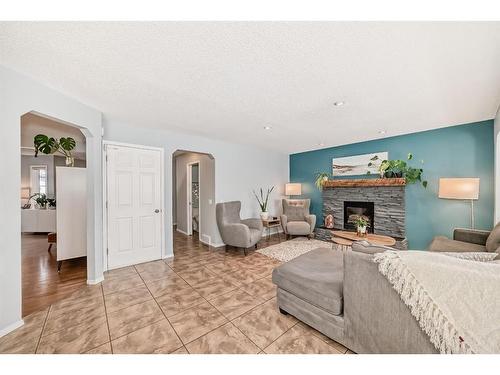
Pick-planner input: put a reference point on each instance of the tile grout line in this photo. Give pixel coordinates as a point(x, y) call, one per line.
point(43, 328)
point(228, 320)
point(207, 301)
point(157, 304)
point(107, 321)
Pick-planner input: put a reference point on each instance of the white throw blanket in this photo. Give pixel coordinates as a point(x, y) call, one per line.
point(455, 301)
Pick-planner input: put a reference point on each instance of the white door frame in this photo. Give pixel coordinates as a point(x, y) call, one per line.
point(105, 196)
point(189, 205)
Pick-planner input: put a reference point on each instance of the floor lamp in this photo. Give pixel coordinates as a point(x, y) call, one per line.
point(460, 188)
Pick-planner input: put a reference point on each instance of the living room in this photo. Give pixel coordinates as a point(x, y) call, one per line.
point(258, 188)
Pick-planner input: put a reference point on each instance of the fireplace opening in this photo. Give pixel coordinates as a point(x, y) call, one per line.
point(354, 210)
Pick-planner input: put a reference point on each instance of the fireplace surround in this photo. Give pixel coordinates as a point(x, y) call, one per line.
point(386, 195)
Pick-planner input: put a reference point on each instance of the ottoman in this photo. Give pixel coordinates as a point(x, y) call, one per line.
point(310, 287)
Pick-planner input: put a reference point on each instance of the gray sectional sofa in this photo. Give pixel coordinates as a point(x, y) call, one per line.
point(344, 296)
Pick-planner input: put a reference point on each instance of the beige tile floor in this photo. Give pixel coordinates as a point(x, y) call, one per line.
point(202, 301)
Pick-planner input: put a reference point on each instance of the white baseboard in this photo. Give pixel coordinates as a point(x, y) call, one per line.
point(11, 327)
point(181, 231)
point(168, 257)
point(95, 281)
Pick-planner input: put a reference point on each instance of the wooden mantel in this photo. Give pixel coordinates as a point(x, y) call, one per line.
point(367, 182)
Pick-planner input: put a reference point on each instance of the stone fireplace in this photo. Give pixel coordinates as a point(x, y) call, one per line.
point(382, 201)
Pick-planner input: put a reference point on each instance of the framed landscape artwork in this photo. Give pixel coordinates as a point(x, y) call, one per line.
point(357, 165)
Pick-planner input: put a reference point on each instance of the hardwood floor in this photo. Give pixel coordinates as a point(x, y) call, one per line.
point(42, 284)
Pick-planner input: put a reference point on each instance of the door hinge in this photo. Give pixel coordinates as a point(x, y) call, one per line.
point(107, 250)
point(106, 204)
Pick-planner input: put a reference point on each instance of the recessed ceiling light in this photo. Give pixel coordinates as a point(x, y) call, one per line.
point(267, 128)
point(381, 132)
point(338, 104)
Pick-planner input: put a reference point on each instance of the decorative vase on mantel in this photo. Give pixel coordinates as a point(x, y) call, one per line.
point(264, 215)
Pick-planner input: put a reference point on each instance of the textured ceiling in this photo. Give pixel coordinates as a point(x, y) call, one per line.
point(229, 80)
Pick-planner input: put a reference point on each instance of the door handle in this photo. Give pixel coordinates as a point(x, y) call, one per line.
point(156, 211)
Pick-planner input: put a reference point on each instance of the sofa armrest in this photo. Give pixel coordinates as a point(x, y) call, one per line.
point(236, 234)
point(475, 236)
point(311, 219)
point(376, 320)
point(284, 221)
point(253, 223)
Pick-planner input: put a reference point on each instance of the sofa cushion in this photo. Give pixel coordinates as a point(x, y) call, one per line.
point(441, 243)
point(368, 248)
point(493, 241)
point(316, 277)
point(298, 228)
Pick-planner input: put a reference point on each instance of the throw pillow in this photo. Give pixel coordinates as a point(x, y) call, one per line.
point(493, 241)
point(476, 256)
point(296, 213)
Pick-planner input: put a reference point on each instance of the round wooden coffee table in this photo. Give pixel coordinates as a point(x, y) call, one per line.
point(345, 239)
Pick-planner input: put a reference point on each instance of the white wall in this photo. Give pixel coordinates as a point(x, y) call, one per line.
point(208, 225)
point(238, 168)
point(497, 166)
point(19, 95)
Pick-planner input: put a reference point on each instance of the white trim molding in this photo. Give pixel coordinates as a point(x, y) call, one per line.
point(11, 327)
point(96, 281)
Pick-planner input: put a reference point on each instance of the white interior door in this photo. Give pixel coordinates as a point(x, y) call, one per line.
point(134, 202)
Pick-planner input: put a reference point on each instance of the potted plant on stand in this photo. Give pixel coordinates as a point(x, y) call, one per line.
point(263, 201)
point(361, 226)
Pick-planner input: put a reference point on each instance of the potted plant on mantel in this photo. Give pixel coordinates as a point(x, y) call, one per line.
point(321, 178)
point(51, 145)
point(263, 201)
point(400, 169)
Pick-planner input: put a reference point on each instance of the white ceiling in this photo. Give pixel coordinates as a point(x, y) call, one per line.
point(229, 80)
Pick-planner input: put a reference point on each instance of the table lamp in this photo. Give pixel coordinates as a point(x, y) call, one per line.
point(460, 188)
point(293, 189)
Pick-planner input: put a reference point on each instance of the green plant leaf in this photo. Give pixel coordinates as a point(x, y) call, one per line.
point(68, 143)
point(424, 184)
point(410, 156)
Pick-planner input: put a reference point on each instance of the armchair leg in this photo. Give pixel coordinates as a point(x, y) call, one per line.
point(283, 311)
point(255, 246)
point(245, 251)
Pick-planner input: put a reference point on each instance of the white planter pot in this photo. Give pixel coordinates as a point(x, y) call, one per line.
point(362, 230)
point(264, 215)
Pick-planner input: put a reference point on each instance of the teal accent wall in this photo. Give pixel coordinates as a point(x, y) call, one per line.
point(456, 151)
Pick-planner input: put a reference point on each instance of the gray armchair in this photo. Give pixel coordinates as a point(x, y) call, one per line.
point(235, 231)
point(296, 219)
point(468, 240)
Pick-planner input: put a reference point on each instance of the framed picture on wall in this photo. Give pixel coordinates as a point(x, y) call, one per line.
point(358, 164)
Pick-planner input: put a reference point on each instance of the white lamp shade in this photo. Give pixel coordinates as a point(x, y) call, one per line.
point(293, 189)
point(459, 188)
